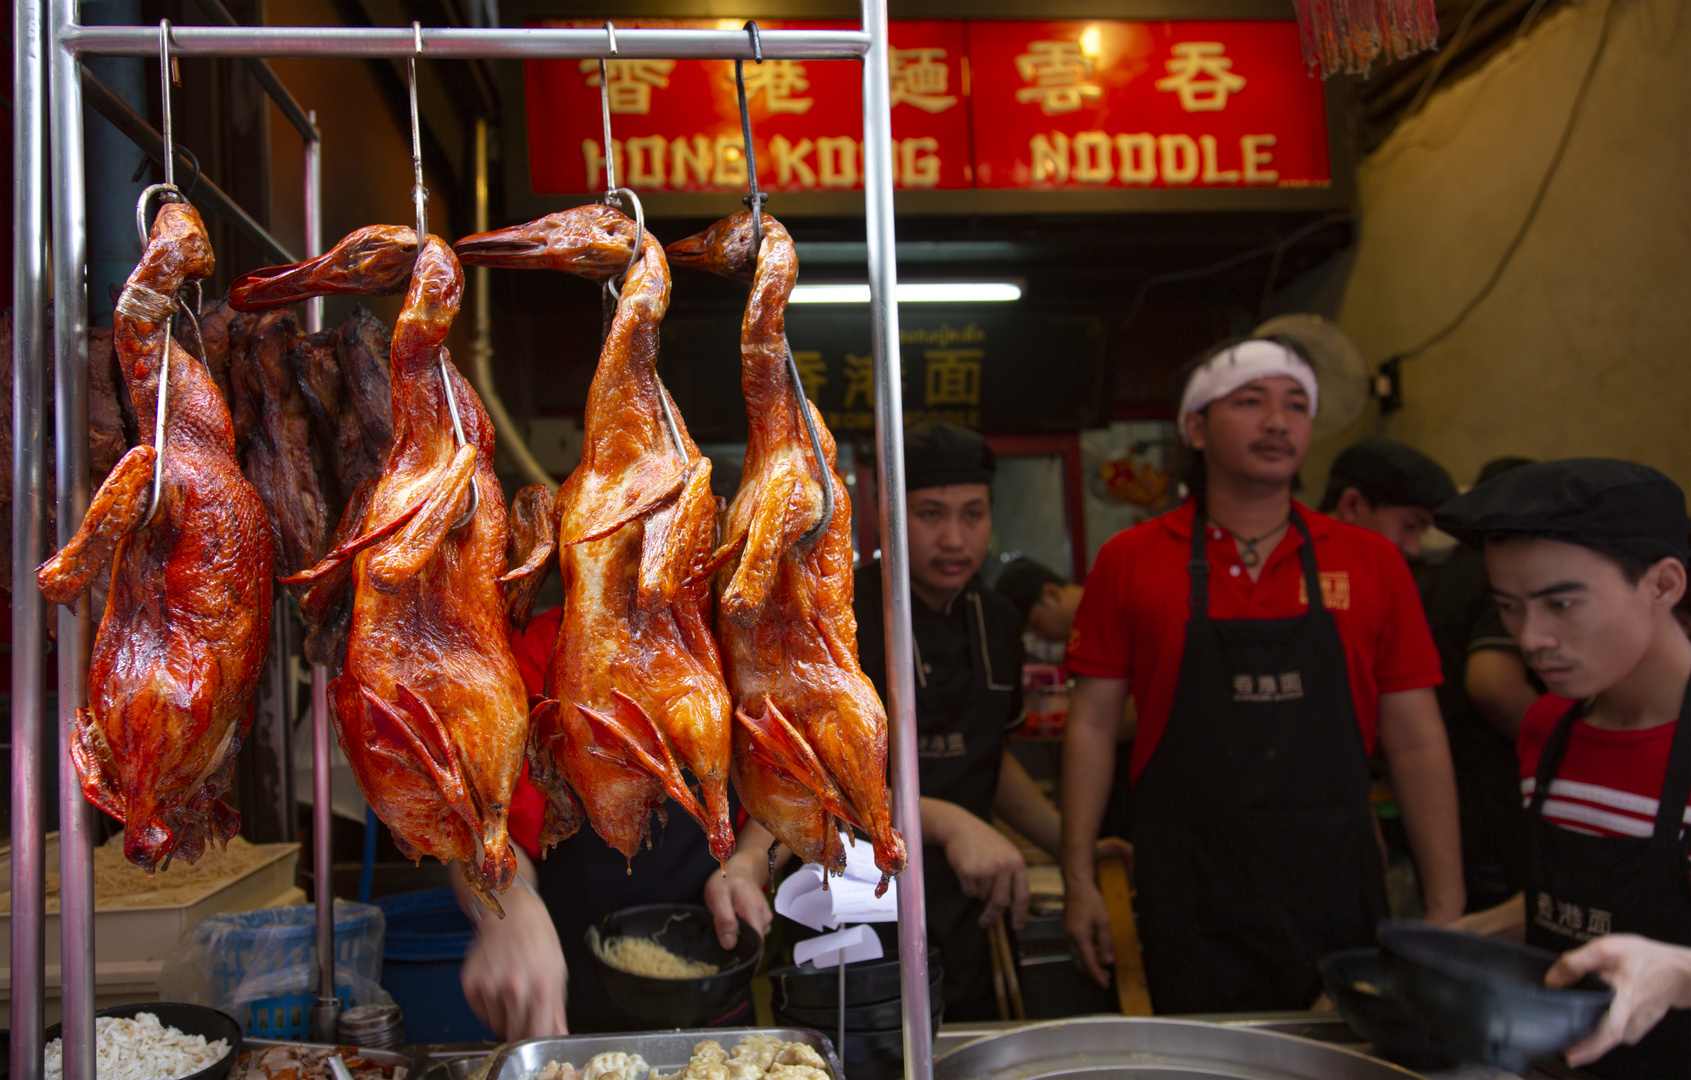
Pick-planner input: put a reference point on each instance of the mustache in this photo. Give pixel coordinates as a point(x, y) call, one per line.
point(1282, 445)
point(1547, 659)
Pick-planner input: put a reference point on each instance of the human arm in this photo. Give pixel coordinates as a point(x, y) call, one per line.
point(1506, 920)
point(738, 891)
point(1649, 978)
point(514, 975)
point(985, 861)
point(1089, 760)
point(1495, 680)
point(1418, 757)
point(1026, 808)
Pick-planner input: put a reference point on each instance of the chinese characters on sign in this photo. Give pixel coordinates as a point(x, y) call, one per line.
point(994, 104)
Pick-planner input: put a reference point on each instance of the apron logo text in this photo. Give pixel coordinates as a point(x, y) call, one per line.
point(1287, 687)
point(943, 745)
point(1571, 920)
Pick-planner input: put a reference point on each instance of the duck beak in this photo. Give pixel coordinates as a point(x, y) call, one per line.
point(694, 252)
point(520, 247)
point(374, 261)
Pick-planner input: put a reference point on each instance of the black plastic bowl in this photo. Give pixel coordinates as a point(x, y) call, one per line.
point(881, 1014)
point(1486, 997)
point(189, 1020)
point(1380, 1016)
point(688, 931)
point(868, 982)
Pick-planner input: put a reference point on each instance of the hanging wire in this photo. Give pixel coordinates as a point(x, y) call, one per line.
point(420, 205)
point(624, 199)
point(167, 192)
point(755, 202)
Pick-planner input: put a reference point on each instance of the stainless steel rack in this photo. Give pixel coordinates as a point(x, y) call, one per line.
point(49, 44)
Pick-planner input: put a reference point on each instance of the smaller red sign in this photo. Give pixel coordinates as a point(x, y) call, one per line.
point(675, 123)
point(1089, 104)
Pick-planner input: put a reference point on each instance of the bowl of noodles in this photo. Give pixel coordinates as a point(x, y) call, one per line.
point(662, 964)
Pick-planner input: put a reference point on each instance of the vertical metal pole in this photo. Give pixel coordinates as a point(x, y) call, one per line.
point(895, 544)
point(29, 448)
point(312, 212)
point(327, 1009)
point(70, 374)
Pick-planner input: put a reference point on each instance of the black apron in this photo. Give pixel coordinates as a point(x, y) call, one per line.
point(1255, 850)
point(584, 879)
point(1582, 886)
point(960, 752)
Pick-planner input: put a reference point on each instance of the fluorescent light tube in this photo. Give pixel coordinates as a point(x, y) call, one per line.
point(913, 292)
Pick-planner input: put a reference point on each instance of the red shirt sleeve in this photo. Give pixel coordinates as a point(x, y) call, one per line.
point(1406, 658)
point(533, 649)
point(1098, 644)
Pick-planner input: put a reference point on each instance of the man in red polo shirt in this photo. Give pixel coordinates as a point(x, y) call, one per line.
point(1269, 648)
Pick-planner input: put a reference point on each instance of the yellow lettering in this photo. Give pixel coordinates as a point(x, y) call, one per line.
point(1050, 157)
point(1138, 154)
point(918, 163)
point(1213, 175)
point(594, 158)
point(836, 161)
point(646, 161)
point(730, 156)
point(1179, 158)
point(696, 157)
point(1254, 149)
point(1092, 157)
point(789, 160)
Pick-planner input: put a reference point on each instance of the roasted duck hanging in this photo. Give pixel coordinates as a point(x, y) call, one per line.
point(187, 621)
point(810, 733)
point(429, 704)
point(635, 688)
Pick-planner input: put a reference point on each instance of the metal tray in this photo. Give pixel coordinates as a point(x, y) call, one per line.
point(1117, 1048)
point(666, 1051)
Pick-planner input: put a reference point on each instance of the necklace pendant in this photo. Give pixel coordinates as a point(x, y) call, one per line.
point(1249, 556)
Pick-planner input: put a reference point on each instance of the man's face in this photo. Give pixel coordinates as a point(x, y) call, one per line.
point(950, 529)
point(1053, 617)
point(1402, 525)
point(1580, 624)
point(1259, 433)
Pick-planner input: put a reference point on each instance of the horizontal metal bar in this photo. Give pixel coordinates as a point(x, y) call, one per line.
point(266, 76)
point(208, 194)
point(464, 44)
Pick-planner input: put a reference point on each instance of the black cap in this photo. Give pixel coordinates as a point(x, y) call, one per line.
point(938, 454)
point(1023, 583)
point(1616, 507)
point(1389, 474)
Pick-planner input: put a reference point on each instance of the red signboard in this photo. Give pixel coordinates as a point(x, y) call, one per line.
point(1088, 104)
point(675, 124)
point(990, 104)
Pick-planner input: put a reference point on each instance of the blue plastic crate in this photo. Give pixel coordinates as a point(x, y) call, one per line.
point(422, 965)
point(250, 944)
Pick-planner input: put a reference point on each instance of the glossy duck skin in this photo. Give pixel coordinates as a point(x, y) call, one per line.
point(635, 686)
point(187, 622)
point(810, 739)
point(431, 709)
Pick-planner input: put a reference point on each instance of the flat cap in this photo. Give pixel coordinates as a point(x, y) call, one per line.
point(1616, 507)
point(939, 454)
point(1390, 474)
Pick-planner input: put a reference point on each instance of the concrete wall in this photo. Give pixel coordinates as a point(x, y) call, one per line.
point(1582, 348)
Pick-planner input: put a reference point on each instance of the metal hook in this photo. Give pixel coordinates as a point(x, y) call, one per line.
point(605, 112)
point(166, 193)
point(612, 197)
point(823, 473)
point(419, 194)
point(166, 71)
point(756, 199)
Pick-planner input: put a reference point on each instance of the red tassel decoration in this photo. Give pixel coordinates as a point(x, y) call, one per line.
point(1346, 35)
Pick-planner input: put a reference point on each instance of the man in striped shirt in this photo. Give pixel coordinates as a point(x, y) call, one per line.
point(1587, 559)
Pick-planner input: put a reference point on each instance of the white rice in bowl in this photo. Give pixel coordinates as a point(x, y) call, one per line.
point(142, 1049)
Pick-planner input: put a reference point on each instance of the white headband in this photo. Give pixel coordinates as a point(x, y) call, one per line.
point(1246, 362)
